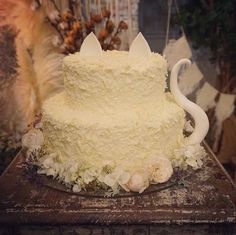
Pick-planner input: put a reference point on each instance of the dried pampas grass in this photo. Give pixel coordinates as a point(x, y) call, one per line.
point(39, 71)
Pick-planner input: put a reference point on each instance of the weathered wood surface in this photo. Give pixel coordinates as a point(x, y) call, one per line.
point(208, 197)
point(170, 229)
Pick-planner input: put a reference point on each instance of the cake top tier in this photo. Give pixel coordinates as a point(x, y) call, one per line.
point(138, 58)
point(119, 60)
point(111, 79)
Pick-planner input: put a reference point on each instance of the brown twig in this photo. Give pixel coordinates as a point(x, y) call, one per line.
point(55, 5)
point(56, 28)
point(118, 30)
point(71, 7)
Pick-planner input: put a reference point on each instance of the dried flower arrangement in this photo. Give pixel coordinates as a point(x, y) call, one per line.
point(72, 29)
point(44, 33)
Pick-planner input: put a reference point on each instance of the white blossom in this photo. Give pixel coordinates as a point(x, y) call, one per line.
point(33, 139)
point(48, 162)
point(54, 16)
point(56, 41)
point(189, 155)
point(118, 177)
point(138, 182)
point(63, 25)
point(194, 154)
point(38, 125)
point(160, 169)
point(34, 5)
point(76, 188)
point(112, 178)
point(89, 175)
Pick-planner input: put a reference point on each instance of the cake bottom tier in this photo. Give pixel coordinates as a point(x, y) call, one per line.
point(121, 138)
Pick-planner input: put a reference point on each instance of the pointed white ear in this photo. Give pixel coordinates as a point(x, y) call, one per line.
point(91, 47)
point(140, 47)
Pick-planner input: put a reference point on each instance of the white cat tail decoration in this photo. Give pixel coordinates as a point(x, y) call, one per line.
point(140, 48)
point(199, 116)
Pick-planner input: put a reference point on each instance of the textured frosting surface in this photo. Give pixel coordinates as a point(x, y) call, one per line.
point(125, 138)
point(114, 112)
point(114, 80)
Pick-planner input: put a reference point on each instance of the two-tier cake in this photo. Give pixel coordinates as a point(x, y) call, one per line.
point(114, 125)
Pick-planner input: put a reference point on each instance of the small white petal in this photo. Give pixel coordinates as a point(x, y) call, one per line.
point(48, 162)
point(34, 6)
point(124, 178)
point(109, 180)
point(51, 172)
point(76, 188)
point(56, 41)
point(33, 139)
point(54, 16)
point(38, 125)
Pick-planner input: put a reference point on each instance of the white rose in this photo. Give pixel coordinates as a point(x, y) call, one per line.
point(159, 169)
point(76, 188)
point(138, 182)
point(33, 139)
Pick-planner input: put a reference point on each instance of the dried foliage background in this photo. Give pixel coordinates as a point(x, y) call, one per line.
point(42, 35)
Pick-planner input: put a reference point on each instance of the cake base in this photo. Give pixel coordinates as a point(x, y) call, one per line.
point(115, 148)
point(124, 138)
point(178, 176)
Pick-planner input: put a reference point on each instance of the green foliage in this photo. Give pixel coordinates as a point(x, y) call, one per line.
point(212, 24)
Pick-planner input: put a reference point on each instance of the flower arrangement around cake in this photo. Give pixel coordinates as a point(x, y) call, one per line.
point(114, 127)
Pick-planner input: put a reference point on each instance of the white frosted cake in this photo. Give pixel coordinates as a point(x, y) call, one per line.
point(114, 124)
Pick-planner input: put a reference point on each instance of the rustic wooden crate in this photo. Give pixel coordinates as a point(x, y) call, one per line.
point(201, 204)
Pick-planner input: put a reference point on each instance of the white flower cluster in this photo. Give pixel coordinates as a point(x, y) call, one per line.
point(32, 140)
point(117, 178)
point(189, 155)
point(156, 169)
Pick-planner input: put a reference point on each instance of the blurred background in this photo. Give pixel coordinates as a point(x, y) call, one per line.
point(35, 35)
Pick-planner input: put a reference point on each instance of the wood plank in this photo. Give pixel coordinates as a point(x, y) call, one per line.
point(208, 196)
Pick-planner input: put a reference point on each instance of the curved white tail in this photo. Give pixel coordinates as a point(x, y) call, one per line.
point(199, 116)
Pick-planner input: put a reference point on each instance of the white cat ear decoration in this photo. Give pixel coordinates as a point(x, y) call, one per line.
point(140, 48)
point(91, 47)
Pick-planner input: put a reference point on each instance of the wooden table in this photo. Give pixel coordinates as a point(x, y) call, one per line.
point(201, 204)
